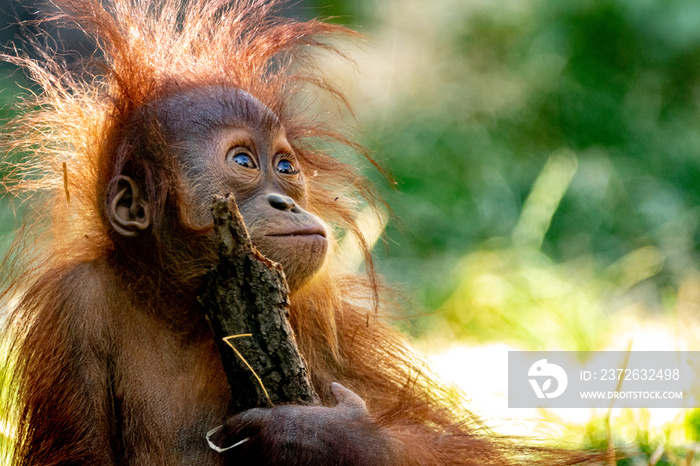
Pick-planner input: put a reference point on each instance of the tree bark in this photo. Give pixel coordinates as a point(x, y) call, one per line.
point(246, 301)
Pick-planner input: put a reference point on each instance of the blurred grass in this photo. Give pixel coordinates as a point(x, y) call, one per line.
point(546, 154)
point(493, 90)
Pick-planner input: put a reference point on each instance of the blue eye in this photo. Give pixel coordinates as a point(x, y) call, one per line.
point(286, 167)
point(240, 156)
point(243, 160)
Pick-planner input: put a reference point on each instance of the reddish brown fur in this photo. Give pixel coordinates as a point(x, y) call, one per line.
point(77, 309)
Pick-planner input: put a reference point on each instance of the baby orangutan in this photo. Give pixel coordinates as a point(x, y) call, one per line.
point(112, 361)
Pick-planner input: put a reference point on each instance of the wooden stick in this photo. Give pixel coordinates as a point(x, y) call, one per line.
point(246, 301)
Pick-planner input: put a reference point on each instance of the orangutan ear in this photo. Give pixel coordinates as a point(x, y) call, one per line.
point(128, 212)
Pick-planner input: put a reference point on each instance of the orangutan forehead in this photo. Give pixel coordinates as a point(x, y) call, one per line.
point(206, 109)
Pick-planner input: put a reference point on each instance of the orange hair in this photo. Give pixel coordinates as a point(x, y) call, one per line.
point(84, 116)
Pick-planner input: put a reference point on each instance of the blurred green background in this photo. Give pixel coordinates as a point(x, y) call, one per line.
point(546, 158)
point(558, 138)
point(546, 155)
point(605, 91)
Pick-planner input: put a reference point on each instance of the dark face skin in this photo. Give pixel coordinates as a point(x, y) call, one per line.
point(227, 141)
